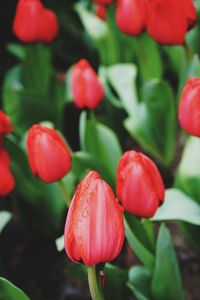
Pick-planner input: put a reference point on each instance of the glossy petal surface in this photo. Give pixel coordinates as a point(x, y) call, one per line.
point(139, 185)
point(94, 230)
point(7, 181)
point(48, 155)
point(169, 20)
point(189, 107)
point(131, 16)
point(34, 23)
point(86, 87)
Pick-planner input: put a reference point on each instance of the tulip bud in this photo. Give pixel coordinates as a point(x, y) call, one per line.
point(140, 188)
point(189, 107)
point(169, 20)
point(100, 11)
point(48, 155)
point(34, 23)
point(131, 16)
point(86, 87)
point(5, 125)
point(94, 230)
point(7, 181)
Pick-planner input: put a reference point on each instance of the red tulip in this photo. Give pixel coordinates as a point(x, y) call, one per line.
point(5, 125)
point(34, 23)
point(169, 20)
point(140, 188)
point(100, 11)
point(7, 181)
point(189, 107)
point(86, 87)
point(94, 230)
point(48, 155)
point(131, 16)
point(104, 2)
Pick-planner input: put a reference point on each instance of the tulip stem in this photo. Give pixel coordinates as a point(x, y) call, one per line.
point(65, 193)
point(95, 290)
point(188, 51)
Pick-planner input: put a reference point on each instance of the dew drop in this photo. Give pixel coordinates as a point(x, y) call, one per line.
point(85, 213)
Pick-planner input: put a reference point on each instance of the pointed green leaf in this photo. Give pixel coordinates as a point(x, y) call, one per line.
point(178, 206)
point(9, 291)
point(166, 282)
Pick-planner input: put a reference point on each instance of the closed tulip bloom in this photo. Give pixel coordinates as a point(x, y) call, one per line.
point(5, 125)
point(94, 230)
point(189, 107)
point(7, 182)
point(48, 155)
point(86, 87)
point(140, 188)
point(169, 20)
point(34, 23)
point(131, 16)
point(100, 11)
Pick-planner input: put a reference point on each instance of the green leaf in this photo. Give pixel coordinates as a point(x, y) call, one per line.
point(31, 89)
point(176, 57)
point(9, 291)
point(154, 123)
point(18, 50)
point(140, 282)
point(188, 175)
point(122, 77)
point(115, 282)
point(60, 243)
point(178, 206)
point(84, 161)
point(190, 161)
point(45, 201)
point(134, 237)
point(101, 142)
point(148, 57)
point(5, 217)
point(166, 283)
point(100, 34)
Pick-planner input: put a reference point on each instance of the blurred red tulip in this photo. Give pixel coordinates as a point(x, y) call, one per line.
point(131, 16)
point(104, 2)
point(169, 20)
point(189, 107)
point(100, 11)
point(34, 23)
point(7, 181)
point(140, 188)
point(48, 155)
point(86, 87)
point(5, 125)
point(94, 230)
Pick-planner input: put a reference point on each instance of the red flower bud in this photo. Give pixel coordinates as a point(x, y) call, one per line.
point(7, 181)
point(189, 107)
point(5, 125)
point(94, 230)
point(100, 11)
point(169, 20)
point(131, 16)
point(140, 188)
point(86, 87)
point(48, 155)
point(104, 2)
point(34, 23)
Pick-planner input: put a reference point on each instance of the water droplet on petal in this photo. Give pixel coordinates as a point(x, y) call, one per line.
point(85, 213)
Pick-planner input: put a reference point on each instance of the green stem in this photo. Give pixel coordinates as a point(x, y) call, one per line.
point(188, 51)
point(95, 290)
point(64, 191)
